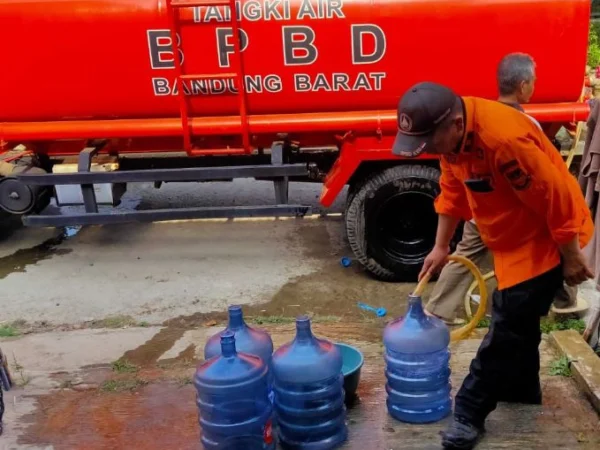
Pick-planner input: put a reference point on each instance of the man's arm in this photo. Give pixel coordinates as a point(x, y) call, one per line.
point(542, 187)
point(445, 230)
point(452, 200)
point(451, 206)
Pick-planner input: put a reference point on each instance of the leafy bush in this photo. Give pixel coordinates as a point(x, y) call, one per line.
point(549, 325)
point(593, 54)
point(561, 367)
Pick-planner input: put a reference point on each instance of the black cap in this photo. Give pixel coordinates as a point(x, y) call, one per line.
point(420, 110)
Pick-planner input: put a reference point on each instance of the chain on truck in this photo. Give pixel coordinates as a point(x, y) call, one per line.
point(101, 93)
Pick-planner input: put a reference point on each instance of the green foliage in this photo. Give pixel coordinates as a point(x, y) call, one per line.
point(8, 331)
point(122, 385)
point(484, 323)
point(561, 367)
point(548, 325)
point(123, 366)
point(593, 54)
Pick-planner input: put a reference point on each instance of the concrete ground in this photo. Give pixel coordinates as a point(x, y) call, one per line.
point(132, 389)
point(154, 272)
point(103, 326)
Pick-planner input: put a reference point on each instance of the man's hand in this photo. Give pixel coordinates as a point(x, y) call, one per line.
point(575, 269)
point(435, 260)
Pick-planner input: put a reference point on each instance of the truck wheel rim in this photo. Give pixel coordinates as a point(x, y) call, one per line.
point(15, 197)
point(406, 225)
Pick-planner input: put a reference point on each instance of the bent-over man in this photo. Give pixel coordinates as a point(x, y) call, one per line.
point(516, 78)
point(500, 169)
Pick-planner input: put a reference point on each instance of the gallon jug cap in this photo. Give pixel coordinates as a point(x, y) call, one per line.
point(228, 343)
point(236, 317)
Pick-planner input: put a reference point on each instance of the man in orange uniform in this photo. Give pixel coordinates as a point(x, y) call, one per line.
point(516, 81)
point(500, 169)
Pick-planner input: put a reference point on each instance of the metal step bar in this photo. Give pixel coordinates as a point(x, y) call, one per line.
point(160, 215)
point(166, 175)
point(278, 170)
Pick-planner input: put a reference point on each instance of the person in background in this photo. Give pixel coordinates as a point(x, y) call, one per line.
point(499, 168)
point(516, 78)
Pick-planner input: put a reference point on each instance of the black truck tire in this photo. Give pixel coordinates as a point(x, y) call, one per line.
point(391, 221)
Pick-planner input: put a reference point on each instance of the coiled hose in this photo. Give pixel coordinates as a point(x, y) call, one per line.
point(464, 331)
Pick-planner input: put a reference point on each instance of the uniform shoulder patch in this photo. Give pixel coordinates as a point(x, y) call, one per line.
point(518, 177)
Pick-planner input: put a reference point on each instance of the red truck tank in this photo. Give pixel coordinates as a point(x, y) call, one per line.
point(295, 89)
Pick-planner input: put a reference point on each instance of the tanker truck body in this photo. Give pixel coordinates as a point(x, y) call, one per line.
point(100, 93)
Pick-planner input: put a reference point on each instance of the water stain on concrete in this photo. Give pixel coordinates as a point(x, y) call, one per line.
point(185, 359)
point(21, 259)
point(149, 353)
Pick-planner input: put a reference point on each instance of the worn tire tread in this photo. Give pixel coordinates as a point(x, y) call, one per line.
point(355, 214)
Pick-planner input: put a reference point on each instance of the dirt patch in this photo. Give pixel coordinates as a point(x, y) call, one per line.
point(158, 415)
point(567, 406)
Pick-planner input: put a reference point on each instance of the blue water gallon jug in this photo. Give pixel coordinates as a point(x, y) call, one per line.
point(417, 368)
point(247, 339)
point(309, 392)
point(233, 399)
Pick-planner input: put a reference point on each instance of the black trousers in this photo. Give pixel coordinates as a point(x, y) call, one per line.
point(507, 364)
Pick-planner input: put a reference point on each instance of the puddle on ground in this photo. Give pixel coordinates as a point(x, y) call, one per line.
point(21, 259)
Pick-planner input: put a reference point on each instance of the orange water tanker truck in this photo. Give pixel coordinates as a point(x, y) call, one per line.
point(97, 94)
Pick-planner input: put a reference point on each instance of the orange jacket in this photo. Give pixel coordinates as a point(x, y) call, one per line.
point(533, 203)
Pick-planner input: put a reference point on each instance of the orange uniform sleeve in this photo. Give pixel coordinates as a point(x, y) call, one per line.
point(540, 184)
point(452, 200)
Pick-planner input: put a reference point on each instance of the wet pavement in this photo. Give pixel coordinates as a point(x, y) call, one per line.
point(185, 271)
point(110, 323)
point(110, 402)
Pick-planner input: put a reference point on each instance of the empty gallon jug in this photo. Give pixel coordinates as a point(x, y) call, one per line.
point(247, 339)
point(309, 392)
point(417, 366)
point(233, 399)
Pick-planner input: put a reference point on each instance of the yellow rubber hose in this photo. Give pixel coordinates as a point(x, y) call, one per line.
point(464, 331)
point(473, 286)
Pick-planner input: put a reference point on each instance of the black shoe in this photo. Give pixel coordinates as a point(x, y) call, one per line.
point(461, 435)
